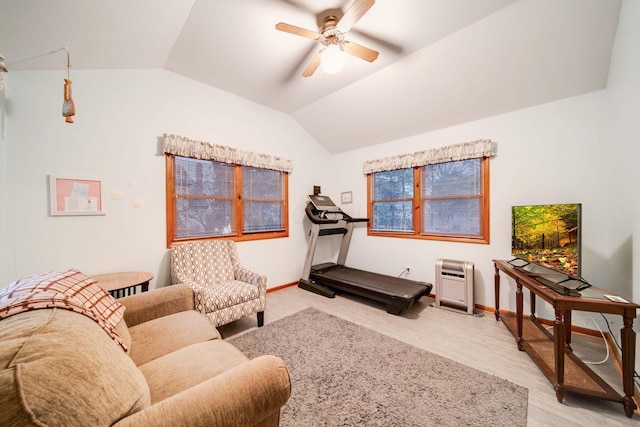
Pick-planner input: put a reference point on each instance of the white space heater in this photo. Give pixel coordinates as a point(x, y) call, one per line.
point(454, 284)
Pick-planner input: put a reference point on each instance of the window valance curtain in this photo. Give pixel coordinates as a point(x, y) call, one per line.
point(185, 147)
point(450, 153)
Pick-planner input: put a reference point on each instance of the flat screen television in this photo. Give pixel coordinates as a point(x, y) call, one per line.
point(548, 235)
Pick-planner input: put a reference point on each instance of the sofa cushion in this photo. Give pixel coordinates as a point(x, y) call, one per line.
point(58, 367)
point(155, 338)
point(189, 366)
point(223, 295)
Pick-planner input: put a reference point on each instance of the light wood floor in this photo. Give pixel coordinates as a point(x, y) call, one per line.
point(477, 341)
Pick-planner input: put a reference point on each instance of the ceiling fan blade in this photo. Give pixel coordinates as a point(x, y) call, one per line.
point(360, 51)
point(313, 65)
point(353, 15)
point(294, 71)
point(292, 29)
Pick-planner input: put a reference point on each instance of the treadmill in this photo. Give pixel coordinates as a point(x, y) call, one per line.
point(325, 279)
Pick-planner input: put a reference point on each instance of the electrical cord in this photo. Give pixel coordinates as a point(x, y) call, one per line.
point(604, 339)
point(636, 377)
point(405, 271)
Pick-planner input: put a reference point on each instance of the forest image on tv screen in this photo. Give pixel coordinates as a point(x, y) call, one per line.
point(548, 235)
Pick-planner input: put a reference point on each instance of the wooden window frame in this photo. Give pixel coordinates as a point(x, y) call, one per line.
point(418, 233)
point(237, 210)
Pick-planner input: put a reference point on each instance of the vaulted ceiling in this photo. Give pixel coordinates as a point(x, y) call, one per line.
point(441, 62)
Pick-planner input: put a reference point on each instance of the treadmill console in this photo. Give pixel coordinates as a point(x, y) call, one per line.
point(322, 210)
point(323, 203)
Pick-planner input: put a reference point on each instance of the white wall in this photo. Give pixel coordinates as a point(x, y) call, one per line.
point(622, 150)
point(583, 149)
point(546, 154)
point(572, 150)
point(120, 117)
point(621, 145)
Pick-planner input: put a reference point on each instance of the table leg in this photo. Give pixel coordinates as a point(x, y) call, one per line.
point(145, 286)
point(533, 304)
point(567, 329)
point(628, 338)
point(496, 286)
point(519, 313)
point(558, 348)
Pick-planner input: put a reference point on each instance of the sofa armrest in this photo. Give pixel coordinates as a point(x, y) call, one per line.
point(242, 396)
point(248, 276)
point(159, 302)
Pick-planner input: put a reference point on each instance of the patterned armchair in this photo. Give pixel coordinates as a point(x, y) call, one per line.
point(223, 290)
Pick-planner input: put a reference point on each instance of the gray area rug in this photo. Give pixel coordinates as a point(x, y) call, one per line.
point(343, 374)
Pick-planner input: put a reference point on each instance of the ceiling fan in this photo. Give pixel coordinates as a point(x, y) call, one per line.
point(332, 36)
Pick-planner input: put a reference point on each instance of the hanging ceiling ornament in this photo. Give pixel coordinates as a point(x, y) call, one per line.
point(68, 106)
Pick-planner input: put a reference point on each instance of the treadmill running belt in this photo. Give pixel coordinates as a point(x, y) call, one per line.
point(389, 285)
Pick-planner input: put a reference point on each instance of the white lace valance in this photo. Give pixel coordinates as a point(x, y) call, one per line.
point(462, 151)
point(185, 147)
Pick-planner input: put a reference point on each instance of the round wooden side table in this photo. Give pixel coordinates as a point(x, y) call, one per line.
point(124, 284)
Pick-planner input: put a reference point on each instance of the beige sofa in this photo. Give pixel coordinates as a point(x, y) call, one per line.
point(59, 367)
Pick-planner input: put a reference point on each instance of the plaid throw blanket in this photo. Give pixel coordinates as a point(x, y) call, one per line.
point(69, 290)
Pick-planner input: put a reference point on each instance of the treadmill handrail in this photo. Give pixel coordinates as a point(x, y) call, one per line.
point(316, 216)
point(358, 219)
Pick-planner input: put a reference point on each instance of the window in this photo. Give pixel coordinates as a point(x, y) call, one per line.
point(209, 199)
point(442, 201)
point(393, 200)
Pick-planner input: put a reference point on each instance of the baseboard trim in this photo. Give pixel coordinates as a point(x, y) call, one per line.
point(280, 287)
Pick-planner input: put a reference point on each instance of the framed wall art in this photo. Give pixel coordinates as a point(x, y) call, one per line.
point(346, 197)
point(75, 196)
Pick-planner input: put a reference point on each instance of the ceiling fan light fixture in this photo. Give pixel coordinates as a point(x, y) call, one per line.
point(332, 34)
point(332, 59)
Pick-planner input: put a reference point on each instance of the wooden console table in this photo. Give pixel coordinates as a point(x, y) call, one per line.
point(552, 352)
point(122, 284)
